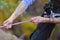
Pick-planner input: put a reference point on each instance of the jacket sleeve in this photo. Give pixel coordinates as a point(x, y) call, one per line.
point(28, 2)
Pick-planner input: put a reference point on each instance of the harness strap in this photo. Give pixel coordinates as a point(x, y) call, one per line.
point(53, 15)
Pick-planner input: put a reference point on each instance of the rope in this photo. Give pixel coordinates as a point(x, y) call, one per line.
point(17, 23)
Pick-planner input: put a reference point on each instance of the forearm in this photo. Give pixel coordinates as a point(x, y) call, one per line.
point(19, 10)
point(52, 20)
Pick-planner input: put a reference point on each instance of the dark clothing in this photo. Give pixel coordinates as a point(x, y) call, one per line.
point(56, 6)
point(42, 32)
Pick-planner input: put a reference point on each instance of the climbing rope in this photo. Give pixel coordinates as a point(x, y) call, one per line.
point(17, 23)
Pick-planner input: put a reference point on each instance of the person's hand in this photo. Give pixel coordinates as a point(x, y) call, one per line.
point(8, 23)
point(37, 19)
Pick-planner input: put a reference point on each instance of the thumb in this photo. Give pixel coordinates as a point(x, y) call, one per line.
point(8, 26)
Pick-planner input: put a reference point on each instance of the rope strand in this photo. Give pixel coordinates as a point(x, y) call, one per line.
point(17, 23)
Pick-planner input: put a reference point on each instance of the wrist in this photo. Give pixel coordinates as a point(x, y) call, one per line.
point(11, 18)
point(46, 20)
point(51, 20)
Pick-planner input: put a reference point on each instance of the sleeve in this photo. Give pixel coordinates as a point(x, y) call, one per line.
point(28, 2)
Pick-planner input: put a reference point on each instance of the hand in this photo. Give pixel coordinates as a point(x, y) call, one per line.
point(37, 19)
point(8, 23)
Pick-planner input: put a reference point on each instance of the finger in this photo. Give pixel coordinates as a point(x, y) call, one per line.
point(5, 22)
point(9, 26)
point(35, 21)
point(32, 19)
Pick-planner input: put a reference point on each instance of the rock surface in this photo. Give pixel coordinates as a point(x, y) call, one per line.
point(7, 36)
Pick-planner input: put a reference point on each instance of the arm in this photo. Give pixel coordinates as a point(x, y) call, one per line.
point(39, 19)
point(52, 20)
point(21, 8)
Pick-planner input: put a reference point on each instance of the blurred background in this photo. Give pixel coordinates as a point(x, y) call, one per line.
point(23, 31)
